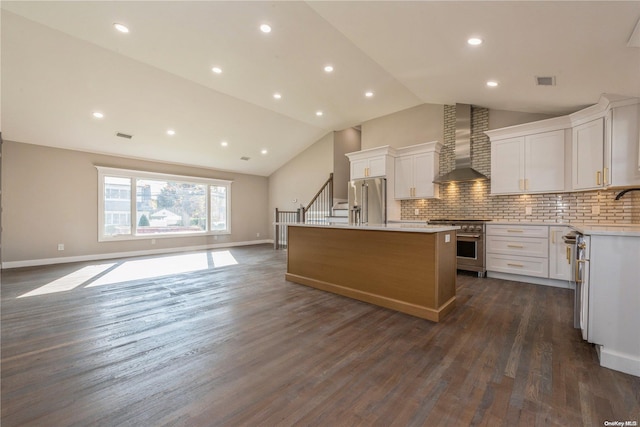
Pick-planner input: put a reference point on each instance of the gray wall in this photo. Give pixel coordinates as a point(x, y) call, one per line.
point(344, 141)
point(416, 125)
point(50, 196)
point(299, 180)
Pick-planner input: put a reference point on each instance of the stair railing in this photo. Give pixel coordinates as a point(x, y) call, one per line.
point(317, 211)
point(320, 206)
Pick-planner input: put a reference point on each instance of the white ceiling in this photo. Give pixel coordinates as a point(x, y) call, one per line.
point(63, 60)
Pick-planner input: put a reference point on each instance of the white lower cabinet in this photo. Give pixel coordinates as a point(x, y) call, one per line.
point(560, 254)
point(518, 249)
point(528, 253)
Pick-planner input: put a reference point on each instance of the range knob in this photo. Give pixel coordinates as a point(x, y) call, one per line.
point(464, 227)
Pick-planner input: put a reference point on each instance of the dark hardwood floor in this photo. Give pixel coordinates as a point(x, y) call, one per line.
point(237, 345)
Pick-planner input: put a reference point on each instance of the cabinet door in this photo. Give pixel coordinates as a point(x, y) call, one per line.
point(560, 254)
point(424, 174)
point(404, 177)
point(359, 168)
point(588, 155)
point(544, 162)
point(377, 166)
point(507, 166)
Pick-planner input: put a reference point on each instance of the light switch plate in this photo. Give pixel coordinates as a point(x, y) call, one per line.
point(595, 209)
point(447, 238)
point(416, 211)
point(528, 210)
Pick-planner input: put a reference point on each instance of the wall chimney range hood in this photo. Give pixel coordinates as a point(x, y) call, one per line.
point(463, 170)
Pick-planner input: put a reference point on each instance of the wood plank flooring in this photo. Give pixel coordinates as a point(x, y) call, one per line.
point(237, 345)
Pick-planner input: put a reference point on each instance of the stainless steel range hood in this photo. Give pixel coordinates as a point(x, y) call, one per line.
point(463, 170)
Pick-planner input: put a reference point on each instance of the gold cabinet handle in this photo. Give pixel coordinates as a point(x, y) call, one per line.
point(515, 246)
point(515, 231)
point(553, 238)
point(521, 184)
point(568, 254)
point(598, 177)
point(514, 265)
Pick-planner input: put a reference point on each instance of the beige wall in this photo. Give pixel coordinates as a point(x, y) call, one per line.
point(344, 141)
point(50, 196)
point(502, 118)
point(299, 180)
point(416, 125)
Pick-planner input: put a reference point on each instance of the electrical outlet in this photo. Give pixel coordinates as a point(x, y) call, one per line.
point(61, 246)
point(595, 209)
point(215, 237)
point(447, 238)
point(528, 210)
point(257, 234)
point(416, 211)
point(153, 241)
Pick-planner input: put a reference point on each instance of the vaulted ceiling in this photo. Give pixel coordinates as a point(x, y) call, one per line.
point(62, 61)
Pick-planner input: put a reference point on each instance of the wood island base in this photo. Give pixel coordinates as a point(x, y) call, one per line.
point(411, 272)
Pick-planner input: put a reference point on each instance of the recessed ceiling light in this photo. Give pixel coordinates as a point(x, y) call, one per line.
point(217, 70)
point(474, 41)
point(263, 152)
point(265, 28)
point(328, 68)
point(492, 83)
point(224, 143)
point(368, 94)
point(277, 96)
point(121, 27)
point(98, 115)
point(319, 113)
point(171, 132)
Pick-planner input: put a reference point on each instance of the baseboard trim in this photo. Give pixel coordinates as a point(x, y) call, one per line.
point(622, 362)
point(531, 279)
point(99, 257)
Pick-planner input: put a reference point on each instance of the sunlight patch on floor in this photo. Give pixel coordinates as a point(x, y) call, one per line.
point(148, 268)
point(70, 281)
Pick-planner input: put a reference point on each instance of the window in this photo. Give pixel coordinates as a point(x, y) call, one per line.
point(136, 204)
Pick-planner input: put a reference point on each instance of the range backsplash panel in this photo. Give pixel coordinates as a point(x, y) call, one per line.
point(472, 199)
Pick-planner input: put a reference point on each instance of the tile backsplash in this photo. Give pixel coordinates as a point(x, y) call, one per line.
point(472, 199)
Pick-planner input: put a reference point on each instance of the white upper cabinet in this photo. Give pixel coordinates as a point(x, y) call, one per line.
point(372, 163)
point(622, 146)
point(528, 164)
point(588, 155)
point(416, 168)
point(507, 166)
point(597, 147)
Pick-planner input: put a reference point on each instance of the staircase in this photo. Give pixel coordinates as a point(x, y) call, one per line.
point(321, 210)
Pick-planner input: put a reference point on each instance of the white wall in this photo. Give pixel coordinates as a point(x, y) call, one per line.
point(503, 118)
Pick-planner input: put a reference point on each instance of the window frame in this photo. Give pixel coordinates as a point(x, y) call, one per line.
point(135, 175)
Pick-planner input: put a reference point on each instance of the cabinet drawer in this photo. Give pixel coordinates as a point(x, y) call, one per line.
point(517, 230)
point(524, 246)
point(538, 267)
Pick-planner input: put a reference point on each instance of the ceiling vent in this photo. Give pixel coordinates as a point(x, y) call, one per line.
point(124, 135)
point(545, 81)
point(244, 158)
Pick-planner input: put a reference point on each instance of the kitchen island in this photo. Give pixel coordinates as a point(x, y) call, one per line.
point(410, 268)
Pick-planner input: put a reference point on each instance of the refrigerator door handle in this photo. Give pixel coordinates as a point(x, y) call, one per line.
point(365, 203)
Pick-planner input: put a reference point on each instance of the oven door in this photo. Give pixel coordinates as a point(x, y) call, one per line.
point(469, 249)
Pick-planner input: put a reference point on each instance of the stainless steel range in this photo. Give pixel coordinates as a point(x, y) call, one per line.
point(470, 241)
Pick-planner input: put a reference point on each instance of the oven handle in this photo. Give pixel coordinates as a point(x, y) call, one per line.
point(475, 236)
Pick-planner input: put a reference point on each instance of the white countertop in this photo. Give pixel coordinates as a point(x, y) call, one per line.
point(406, 227)
point(632, 230)
point(584, 228)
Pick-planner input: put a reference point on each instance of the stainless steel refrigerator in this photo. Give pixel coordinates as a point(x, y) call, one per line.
point(368, 201)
